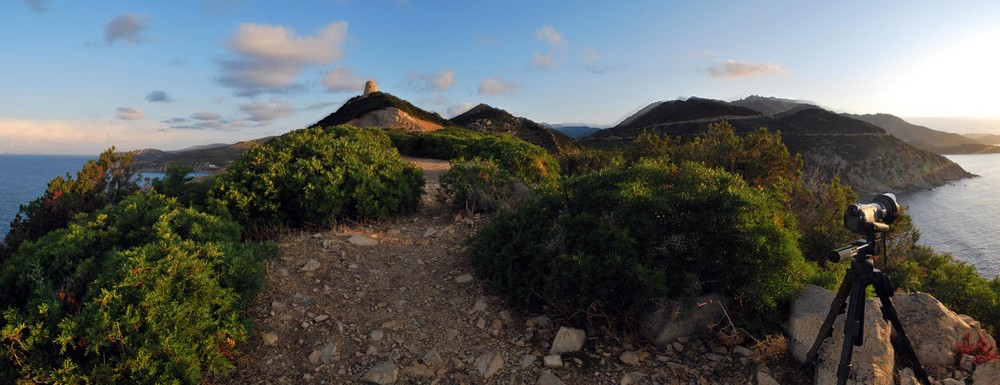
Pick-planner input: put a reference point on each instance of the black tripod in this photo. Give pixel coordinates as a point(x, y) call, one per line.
point(861, 275)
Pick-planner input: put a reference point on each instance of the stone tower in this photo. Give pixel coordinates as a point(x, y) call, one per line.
point(370, 87)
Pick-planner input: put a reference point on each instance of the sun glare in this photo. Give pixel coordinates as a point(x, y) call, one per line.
point(960, 79)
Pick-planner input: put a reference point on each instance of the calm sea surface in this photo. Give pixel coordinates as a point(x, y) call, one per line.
point(963, 218)
point(25, 177)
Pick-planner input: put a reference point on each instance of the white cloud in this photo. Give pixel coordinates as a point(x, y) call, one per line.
point(736, 69)
point(542, 60)
point(344, 79)
point(157, 96)
point(441, 81)
point(495, 86)
point(270, 58)
point(129, 113)
point(549, 35)
point(460, 108)
point(126, 27)
point(86, 137)
point(205, 115)
point(264, 113)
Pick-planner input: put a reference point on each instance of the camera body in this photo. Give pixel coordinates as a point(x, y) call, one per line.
point(876, 216)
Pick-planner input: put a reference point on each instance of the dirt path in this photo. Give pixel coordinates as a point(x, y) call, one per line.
point(399, 295)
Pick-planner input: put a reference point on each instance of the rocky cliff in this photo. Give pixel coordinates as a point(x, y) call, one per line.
point(861, 154)
point(380, 109)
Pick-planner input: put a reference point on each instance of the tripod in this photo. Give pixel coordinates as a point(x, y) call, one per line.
point(861, 275)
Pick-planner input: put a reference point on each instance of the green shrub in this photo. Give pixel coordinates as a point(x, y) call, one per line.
point(500, 172)
point(587, 161)
point(445, 144)
point(99, 183)
point(177, 184)
point(316, 175)
point(142, 291)
point(609, 243)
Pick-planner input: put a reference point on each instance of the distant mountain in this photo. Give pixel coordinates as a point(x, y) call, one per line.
point(771, 106)
point(380, 109)
point(928, 139)
point(203, 147)
point(991, 139)
point(491, 120)
point(573, 131)
point(209, 158)
point(861, 154)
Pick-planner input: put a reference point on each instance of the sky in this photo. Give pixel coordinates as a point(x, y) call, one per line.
point(79, 77)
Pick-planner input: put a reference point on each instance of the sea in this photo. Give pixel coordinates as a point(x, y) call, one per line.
point(961, 218)
point(25, 177)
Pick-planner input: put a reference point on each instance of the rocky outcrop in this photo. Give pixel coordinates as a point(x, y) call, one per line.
point(872, 363)
point(393, 118)
point(933, 329)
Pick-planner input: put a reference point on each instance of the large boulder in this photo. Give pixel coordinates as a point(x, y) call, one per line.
point(672, 319)
point(872, 363)
point(934, 330)
point(987, 374)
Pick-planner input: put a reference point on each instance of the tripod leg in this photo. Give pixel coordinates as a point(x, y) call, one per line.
point(883, 288)
point(853, 326)
point(826, 330)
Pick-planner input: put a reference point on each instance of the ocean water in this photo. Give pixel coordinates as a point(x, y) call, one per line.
point(963, 218)
point(25, 177)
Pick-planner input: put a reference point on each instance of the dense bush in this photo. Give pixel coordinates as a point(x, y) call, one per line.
point(99, 183)
point(611, 242)
point(316, 175)
point(500, 171)
point(142, 291)
point(177, 184)
point(445, 144)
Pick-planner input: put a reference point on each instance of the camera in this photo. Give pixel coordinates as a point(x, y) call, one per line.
point(876, 216)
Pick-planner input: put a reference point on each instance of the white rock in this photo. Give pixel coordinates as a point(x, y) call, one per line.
point(382, 373)
point(934, 330)
point(527, 360)
point(464, 278)
point(552, 361)
point(872, 363)
point(987, 374)
point(632, 378)
point(547, 378)
point(480, 305)
point(629, 358)
point(433, 359)
point(269, 338)
point(430, 232)
point(361, 240)
point(967, 363)
point(568, 340)
point(327, 352)
point(311, 265)
point(489, 363)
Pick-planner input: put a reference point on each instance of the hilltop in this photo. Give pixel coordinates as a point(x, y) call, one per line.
point(380, 109)
point(860, 153)
point(208, 158)
point(491, 120)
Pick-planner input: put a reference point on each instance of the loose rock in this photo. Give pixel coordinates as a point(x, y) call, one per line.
point(552, 361)
point(382, 373)
point(361, 240)
point(311, 265)
point(464, 278)
point(489, 363)
point(270, 339)
point(547, 378)
point(568, 340)
point(632, 378)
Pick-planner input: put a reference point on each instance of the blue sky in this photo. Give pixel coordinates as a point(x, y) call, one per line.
point(79, 77)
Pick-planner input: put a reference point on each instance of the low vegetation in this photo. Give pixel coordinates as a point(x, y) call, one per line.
point(104, 281)
point(317, 175)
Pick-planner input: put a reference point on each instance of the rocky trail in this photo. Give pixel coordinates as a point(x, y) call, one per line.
point(397, 301)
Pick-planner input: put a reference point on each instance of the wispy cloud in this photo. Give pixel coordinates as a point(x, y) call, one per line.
point(205, 116)
point(737, 69)
point(126, 27)
point(557, 44)
point(441, 81)
point(270, 58)
point(37, 5)
point(460, 108)
point(592, 61)
point(264, 113)
point(158, 96)
point(495, 86)
point(344, 79)
point(129, 113)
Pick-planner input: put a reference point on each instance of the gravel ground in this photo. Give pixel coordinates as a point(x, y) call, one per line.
point(397, 302)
